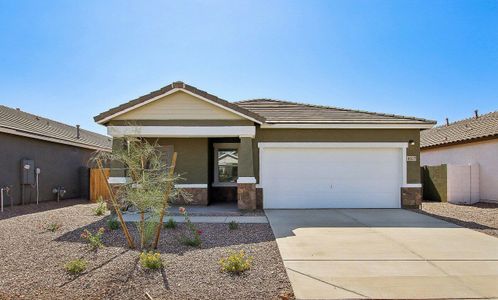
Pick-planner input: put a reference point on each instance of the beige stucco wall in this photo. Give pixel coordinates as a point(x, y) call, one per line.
point(179, 106)
point(484, 154)
point(343, 135)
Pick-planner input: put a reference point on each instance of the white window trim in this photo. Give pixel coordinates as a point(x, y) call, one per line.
point(401, 145)
point(217, 147)
point(182, 131)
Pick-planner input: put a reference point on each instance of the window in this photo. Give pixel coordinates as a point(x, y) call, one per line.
point(226, 164)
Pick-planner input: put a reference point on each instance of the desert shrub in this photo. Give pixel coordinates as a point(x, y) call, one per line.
point(149, 230)
point(76, 266)
point(193, 237)
point(236, 263)
point(53, 227)
point(94, 239)
point(151, 260)
point(101, 208)
point(113, 224)
point(170, 224)
point(233, 225)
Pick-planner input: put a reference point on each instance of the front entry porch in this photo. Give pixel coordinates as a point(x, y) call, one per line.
point(216, 168)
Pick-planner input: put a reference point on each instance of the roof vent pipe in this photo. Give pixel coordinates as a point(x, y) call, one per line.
point(447, 122)
point(476, 113)
point(77, 131)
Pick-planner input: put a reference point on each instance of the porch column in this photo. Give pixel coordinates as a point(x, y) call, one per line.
point(246, 183)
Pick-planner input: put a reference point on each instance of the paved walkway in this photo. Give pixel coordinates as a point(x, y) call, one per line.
point(383, 254)
point(134, 217)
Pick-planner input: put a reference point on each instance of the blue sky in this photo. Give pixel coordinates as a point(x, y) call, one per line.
point(70, 60)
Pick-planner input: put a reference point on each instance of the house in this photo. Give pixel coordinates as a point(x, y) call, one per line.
point(468, 151)
point(39, 155)
point(288, 155)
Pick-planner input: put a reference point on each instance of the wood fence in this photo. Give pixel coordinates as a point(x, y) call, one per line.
point(98, 184)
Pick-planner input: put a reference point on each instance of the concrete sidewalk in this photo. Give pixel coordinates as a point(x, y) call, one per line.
point(135, 217)
point(383, 254)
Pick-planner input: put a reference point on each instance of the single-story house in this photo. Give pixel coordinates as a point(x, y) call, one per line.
point(288, 155)
point(469, 150)
point(39, 155)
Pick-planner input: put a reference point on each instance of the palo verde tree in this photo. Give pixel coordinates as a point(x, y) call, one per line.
point(150, 186)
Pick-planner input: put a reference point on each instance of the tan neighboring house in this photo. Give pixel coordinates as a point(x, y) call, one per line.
point(469, 151)
point(265, 153)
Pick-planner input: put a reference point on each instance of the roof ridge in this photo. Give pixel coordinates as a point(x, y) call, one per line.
point(463, 120)
point(340, 108)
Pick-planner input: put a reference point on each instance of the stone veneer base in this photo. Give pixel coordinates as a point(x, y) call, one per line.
point(411, 197)
point(199, 197)
point(246, 196)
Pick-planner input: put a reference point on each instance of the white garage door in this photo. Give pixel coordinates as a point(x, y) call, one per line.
point(331, 177)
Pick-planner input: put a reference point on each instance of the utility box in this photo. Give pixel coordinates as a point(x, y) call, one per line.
point(27, 171)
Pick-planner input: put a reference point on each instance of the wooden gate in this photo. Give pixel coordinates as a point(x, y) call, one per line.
point(98, 184)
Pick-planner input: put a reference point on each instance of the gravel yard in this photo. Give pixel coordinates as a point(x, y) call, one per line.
point(482, 217)
point(32, 260)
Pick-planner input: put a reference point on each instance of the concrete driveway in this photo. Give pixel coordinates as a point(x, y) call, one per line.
point(383, 253)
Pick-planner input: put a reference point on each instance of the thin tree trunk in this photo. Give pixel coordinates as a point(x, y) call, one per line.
point(129, 238)
point(165, 200)
point(142, 229)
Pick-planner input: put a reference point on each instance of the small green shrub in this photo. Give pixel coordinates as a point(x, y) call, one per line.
point(101, 207)
point(171, 224)
point(76, 266)
point(194, 241)
point(151, 260)
point(236, 263)
point(193, 237)
point(94, 239)
point(53, 227)
point(233, 225)
point(113, 224)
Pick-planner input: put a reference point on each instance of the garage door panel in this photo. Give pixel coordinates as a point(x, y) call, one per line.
point(331, 177)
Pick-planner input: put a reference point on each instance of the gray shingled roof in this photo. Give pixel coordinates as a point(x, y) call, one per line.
point(18, 122)
point(277, 111)
point(464, 131)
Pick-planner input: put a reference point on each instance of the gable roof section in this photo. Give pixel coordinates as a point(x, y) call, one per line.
point(464, 131)
point(17, 122)
point(175, 86)
point(277, 111)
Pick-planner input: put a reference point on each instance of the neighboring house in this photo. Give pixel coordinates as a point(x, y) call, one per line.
point(465, 146)
point(60, 152)
point(289, 155)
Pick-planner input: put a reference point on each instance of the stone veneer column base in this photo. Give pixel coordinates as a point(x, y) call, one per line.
point(411, 197)
point(259, 198)
point(199, 196)
point(246, 196)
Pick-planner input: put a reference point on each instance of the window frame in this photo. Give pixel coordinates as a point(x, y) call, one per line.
point(223, 146)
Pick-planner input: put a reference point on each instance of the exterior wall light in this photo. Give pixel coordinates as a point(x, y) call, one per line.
point(411, 142)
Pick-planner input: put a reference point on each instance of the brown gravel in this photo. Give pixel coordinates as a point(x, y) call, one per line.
point(32, 259)
point(482, 217)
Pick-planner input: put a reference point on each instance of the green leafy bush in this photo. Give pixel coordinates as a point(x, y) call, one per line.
point(76, 266)
point(236, 263)
point(94, 239)
point(171, 224)
point(113, 224)
point(53, 227)
point(151, 260)
point(233, 225)
point(101, 208)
